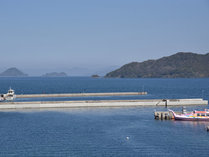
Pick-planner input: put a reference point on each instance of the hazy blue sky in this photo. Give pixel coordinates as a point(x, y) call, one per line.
point(81, 37)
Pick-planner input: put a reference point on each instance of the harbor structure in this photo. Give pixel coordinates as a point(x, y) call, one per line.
point(80, 94)
point(100, 103)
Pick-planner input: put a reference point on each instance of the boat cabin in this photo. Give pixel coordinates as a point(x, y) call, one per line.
point(11, 92)
point(201, 113)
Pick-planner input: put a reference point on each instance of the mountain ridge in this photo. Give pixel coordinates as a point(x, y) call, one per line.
point(179, 65)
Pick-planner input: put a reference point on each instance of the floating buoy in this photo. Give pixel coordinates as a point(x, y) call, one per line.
point(127, 138)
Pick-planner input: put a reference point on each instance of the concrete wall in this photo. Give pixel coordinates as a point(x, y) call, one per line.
point(101, 103)
point(80, 94)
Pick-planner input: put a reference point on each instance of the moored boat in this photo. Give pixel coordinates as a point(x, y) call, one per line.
point(192, 116)
point(10, 95)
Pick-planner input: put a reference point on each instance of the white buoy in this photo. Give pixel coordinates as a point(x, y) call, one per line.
point(127, 138)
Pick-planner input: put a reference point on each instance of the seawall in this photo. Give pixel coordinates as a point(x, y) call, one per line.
point(79, 94)
point(101, 103)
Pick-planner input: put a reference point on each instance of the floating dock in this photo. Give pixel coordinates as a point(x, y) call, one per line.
point(101, 103)
point(79, 94)
point(164, 115)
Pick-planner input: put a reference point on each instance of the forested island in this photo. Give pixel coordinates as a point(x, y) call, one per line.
point(13, 72)
point(55, 74)
point(179, 65)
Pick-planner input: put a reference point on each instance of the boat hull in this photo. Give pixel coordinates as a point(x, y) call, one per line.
point(193, 116)
point(191, 119)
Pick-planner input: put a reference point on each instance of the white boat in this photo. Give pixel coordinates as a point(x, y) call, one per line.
point(10, 95)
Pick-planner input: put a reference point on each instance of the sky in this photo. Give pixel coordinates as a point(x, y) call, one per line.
point(84, 37)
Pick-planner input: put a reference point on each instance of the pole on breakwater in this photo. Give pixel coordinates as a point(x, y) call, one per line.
point(166, 102)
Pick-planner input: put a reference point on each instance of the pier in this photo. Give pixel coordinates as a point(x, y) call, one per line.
point(164, 115)
point(101, 103)
point(80, 94)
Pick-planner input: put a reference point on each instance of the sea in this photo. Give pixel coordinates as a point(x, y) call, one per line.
point(102, 132)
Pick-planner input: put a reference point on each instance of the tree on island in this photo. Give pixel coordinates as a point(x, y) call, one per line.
point(95, 76)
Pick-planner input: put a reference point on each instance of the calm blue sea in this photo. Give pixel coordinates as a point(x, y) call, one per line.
point(101, 132)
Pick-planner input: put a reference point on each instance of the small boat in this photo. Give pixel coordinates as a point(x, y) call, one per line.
point(10, 95)
point(192, 116)
point(2, 98)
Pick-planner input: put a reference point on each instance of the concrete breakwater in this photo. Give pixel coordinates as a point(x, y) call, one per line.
point(101, 103)
point(79, 94)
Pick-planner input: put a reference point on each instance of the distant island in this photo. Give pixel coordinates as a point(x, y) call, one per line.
point(95, 76)
point(13, 72)
point(179, 65)
point(55, 74)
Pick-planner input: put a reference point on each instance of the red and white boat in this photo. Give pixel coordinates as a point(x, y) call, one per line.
point(192, 116)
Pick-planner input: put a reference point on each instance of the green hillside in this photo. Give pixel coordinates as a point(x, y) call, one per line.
point(179, 65)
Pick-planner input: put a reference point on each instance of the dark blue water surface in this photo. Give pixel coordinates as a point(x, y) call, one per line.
point(156, 88)
point(102, 131)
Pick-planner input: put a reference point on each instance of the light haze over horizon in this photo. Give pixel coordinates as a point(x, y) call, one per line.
point(87, 37)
